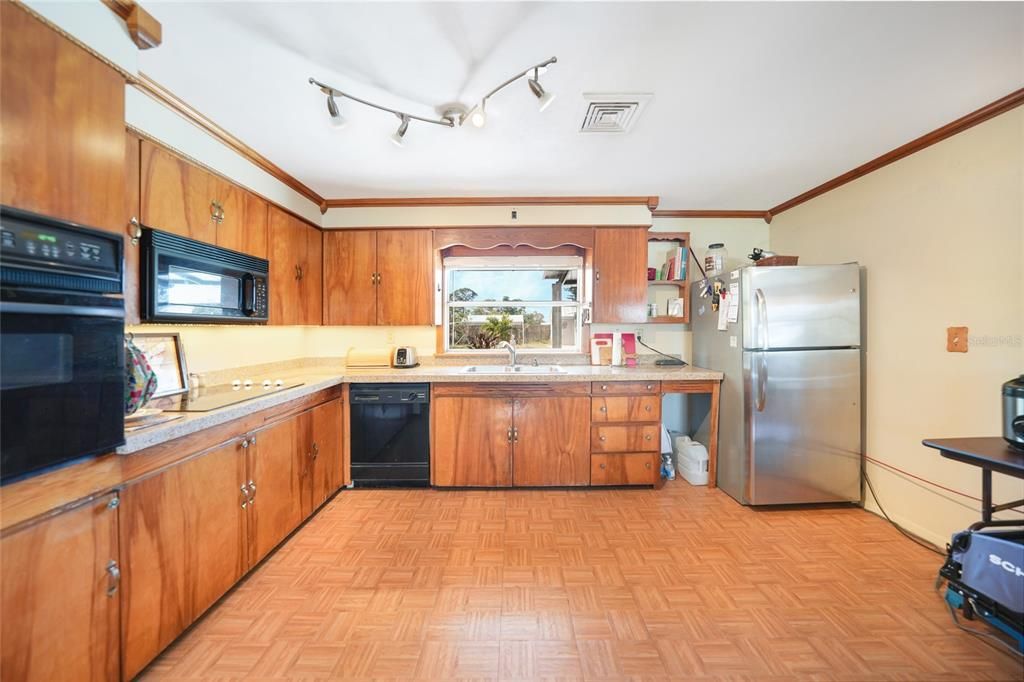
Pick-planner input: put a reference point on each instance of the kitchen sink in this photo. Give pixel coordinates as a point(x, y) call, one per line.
point(518, 369)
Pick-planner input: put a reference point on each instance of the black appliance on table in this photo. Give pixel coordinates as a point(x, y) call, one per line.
point(390, 435)
point(184, 280)
point(61, 342)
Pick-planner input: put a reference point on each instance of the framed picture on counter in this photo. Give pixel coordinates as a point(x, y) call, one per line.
point(166, 355)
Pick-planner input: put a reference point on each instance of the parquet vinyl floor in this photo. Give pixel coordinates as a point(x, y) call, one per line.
point(675, 584)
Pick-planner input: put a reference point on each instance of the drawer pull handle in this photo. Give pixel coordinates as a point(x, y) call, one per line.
point(650, 387)
point(647, 465)
point(647, 408)
point(604, 387)
point(603, 408)
point(601, 438)
point(647, 437)
point(604, 466)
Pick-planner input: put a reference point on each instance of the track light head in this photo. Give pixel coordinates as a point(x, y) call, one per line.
point(544, 99)
point(478, 116)
point(397, 138)
point(337, 120)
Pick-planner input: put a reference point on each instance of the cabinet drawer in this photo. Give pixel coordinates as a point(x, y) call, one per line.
point(640, 438)
point(640, 408)
point(626, 387)
point(634, 468)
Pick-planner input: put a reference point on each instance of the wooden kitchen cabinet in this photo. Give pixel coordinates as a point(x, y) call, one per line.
point(61, 126)
point(324, 476)
point(60, 601)
point(184, 544)
point(296, 254)
point(278, 457)
point(551, 441)
point(472, 441)
point(378, 277)
point(620, 274)
point(178, 196)
point(632, 468)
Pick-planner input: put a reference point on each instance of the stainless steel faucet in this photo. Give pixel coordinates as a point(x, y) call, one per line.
point(510, 346)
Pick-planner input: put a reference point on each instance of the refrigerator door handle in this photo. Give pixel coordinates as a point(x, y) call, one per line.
point(762, 318)
point(762, 381)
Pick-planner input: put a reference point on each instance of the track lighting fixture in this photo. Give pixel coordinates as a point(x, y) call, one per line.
point(397, 138)
point(477, 115)
point(337, 120)
point(544, 98)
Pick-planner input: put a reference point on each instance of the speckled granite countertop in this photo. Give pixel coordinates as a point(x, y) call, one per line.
point(319, 378)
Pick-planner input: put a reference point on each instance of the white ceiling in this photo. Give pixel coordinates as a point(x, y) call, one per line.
point(753, 103)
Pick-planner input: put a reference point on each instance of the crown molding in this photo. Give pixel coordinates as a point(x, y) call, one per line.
point(697, 213)
point(145, 30)
point(651, 202)
point(172, 101)
point(1000, 106)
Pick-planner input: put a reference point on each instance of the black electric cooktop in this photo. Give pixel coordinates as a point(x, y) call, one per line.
point(214, 397)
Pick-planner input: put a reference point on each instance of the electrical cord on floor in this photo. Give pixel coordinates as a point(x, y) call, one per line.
point(901, 529)
point(670, 357)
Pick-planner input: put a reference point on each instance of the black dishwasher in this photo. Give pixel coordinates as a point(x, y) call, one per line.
point(390, 435)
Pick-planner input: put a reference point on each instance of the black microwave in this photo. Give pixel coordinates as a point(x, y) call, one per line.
point(61, 342)
point(184, 280)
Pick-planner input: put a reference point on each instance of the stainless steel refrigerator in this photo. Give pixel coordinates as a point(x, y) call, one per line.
point(790, 414)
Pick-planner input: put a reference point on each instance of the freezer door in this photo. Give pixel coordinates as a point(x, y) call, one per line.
point(803, 426)
point(801, 306)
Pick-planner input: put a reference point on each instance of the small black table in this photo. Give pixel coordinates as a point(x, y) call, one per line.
point(990, 454)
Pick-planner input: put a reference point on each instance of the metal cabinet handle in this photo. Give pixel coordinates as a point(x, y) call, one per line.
point(515, 435)
point(113, 577)
point(647, 437)
point(298, 272)
point(510, 434)
point(597, 275)
point(601, 438)
point(604, 387)
point(252, 493)
point(373, 278)
point(650, 387)
point(134, 230)
point(647, 465)
point(216, 211)
point(603, 409)
point(245, 496)
point(316, 451)
point(603, 465)
point(378, 279)
point(244, 443)
point(252, 440)
point(647, 408)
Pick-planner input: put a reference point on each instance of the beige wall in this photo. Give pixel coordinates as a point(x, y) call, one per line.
point(940, 235)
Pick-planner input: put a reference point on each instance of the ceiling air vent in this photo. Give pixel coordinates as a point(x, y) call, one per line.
point(612, 113)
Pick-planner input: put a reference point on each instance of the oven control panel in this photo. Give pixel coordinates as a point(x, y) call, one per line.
point(40, 244)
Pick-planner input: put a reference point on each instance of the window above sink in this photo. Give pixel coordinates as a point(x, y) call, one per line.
point(533, 300)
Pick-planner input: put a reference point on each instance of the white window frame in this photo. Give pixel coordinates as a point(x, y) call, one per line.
point(485, 263)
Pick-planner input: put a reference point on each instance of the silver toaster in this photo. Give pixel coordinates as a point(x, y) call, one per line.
point(404, 356)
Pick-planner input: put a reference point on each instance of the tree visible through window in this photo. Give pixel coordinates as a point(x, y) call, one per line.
point(534, 300)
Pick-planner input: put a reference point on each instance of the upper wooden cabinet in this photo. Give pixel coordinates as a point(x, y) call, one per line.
point(620, 274)
point(61, 126)
point(380, 277)
point(60, 600)
point(178, 196)
point(296, 267)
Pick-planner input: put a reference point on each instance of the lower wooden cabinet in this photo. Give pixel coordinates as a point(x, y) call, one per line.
point(489, 440)
point(472, 441)
point(183, 544)
point(551, 441)
point(60, 600)
point(632, 468)
point(191, 531)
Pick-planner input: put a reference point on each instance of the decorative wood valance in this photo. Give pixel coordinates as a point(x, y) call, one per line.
point(537, 237)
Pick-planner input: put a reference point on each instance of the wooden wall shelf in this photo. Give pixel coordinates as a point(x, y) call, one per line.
point(683, 286)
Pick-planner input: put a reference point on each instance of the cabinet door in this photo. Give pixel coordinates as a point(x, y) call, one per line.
point(350, 263)
point(244, 223)
point(405, 267)
point(60, 602)
point(620, 274)
point(551, 438)
point(634, 468)
point(311, 280)
point(176, 195)
point(277, 466)
point(61, 126)
point(326, 435)
point(184, 544)
point(472, 441)
point(287, 251)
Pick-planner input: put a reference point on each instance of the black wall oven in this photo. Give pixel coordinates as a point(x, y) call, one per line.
point(61, 342)
point(184, 280)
